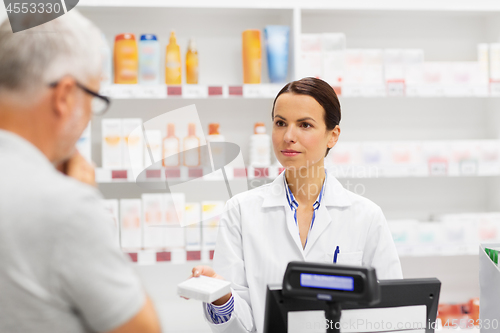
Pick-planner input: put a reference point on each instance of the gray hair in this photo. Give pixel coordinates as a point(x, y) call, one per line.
point(32, 59)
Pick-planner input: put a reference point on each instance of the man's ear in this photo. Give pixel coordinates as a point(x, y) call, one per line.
point(334, 137)
point(64, 97)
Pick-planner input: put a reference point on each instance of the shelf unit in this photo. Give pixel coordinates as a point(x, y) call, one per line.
point(446, 30)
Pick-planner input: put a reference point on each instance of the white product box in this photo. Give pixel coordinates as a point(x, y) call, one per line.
point(430, 237)
point(413, 60)
point(174, 208)
point(394, 67)
point(483, 60)
point(363, 73)
point(130, 224)
point(461, 233)
point(436, 155)
point(310, 61)
point(211, 212)
point(112, 143)
point(333, 47)
point(133, 149)
point(404, 235)
point(152, 146)
point(153, 227)
point(111, 206)
point(375, 152)
point(494, 53)
point(204, 288)
point(347, 153)
point(464, 156)
point(488, 227)
point(432, 73)
point(192, 229)
point(489, 157)
point(84, 144)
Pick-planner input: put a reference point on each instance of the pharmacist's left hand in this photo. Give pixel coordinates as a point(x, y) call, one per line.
point(77, 167)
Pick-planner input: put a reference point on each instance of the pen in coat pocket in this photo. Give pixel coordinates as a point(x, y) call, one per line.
point(337, 251)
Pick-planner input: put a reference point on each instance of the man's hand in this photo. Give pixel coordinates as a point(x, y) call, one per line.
point(77, 167)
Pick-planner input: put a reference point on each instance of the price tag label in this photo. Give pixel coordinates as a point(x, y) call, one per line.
point(468, 168)
point(495, 88)
point(153, 91)
point(235, 90)
point(396, 88)
point(194, 91)
point(255, 90)
point(216, 91)
point(438, 167)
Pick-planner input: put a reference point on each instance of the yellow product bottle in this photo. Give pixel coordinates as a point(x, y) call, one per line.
point(173, 72)
point(126, 59)
point(192, 63)
point(252, 56)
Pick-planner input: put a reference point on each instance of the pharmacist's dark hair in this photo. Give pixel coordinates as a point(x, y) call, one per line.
point(322, 92)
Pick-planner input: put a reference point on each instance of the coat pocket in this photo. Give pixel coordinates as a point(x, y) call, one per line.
point(350, 258)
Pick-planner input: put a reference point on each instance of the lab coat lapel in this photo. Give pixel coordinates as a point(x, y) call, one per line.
point(276, 197)
point(335, 196)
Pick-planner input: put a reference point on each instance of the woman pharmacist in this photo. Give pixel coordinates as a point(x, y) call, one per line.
point(303, 215)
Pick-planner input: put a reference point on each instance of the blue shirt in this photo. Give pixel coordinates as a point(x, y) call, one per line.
point(222, 313)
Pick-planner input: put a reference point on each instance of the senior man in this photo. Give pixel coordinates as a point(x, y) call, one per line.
point(59, 269)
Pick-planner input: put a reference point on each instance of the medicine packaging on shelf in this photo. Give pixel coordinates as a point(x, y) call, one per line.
point(404, 235)
point(192, 225)
point(333, 47)
point(133, 148)
point(112, 142)
point(153, 227)
point(163, 213)
point(152, 147)
point(130, 224)
point(211, 212)
point(174, 209)
point(310, 58)
point(111, 207)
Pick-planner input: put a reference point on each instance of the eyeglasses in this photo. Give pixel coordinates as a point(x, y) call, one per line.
point(99, 104)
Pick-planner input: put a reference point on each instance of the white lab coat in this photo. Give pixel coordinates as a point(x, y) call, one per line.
point(258, 237)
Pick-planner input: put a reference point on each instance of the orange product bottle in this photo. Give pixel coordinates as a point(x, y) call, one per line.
point(191, 147)
point(173, 71)
point(171, 145)
point(252, 56)
point(192, 63)
point(126, 59)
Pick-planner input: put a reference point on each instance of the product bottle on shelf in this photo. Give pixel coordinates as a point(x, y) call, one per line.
point(192, 63)
point(191, 147)
point(149, 59)
point(252, 56)
point(173, 72)
point(126, 59)
point(277, 52)
point(217, 150)
point(107, 62)
point(260, 147)
point(171, 156)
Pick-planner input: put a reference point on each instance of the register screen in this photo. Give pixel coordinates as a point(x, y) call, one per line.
point(327, 281)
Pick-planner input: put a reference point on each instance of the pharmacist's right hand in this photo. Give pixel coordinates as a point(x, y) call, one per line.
point(209, 271)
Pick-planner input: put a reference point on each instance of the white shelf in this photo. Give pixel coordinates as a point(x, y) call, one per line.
point(190, 91)
point(392, 5)
point(373, 171)
point(182, 256)
point(173, 256)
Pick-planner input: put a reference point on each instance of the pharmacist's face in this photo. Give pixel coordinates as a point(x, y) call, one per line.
point(300, 136)
point(79, 118)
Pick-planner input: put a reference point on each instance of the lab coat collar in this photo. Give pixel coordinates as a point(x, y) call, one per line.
point(335, 194)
